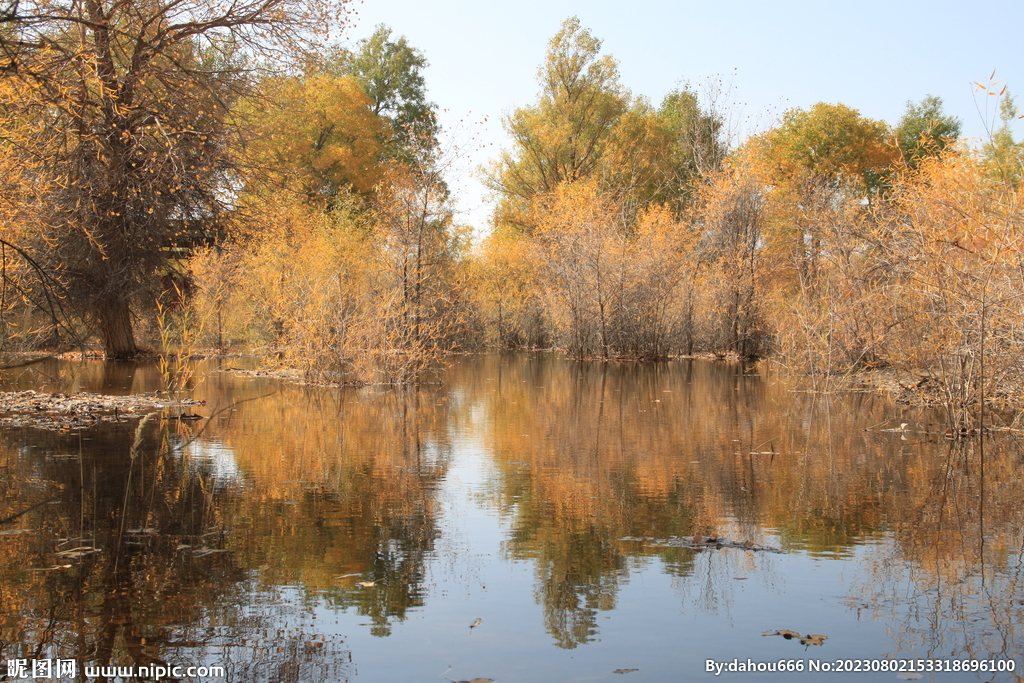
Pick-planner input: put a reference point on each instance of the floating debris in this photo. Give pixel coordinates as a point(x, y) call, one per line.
point(809, 639)
point(698, 542)
point(784, 632)
point(187, 417)
point(65, 412)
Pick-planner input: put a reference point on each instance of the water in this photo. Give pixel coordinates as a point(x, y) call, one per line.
point(557, 502)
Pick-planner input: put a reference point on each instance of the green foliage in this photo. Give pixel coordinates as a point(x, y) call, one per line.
point(586, 126)
point(830, 144)
point(563, 137)
point(1004, 156)
point(696, 133)
point(924, 130)
point(391, 74)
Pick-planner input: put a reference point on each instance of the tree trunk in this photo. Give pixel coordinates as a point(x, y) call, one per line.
point(114, 316)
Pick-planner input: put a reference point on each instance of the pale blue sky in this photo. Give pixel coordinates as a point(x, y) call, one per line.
point(872, 55)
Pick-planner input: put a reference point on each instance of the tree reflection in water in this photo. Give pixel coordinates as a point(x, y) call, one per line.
point(200, 560)
point(588, 454)
point(598, 472)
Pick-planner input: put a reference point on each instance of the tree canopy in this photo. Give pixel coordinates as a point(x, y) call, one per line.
point(562, 138)
point(391, 74)
point(120, 111)
point(586, 125)
point(924, 130)
point(830, 144)
point(316, 134)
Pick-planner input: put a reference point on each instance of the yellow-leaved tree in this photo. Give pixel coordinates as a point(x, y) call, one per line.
point(349, 270)
point(136, 154)
point(315, 134)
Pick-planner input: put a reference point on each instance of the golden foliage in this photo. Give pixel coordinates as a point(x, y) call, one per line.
point(607, 286)
point(316, 133)
point(345, 295)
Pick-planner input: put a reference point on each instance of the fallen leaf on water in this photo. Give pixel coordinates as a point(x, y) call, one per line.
point(624, 671)
point(784, 632)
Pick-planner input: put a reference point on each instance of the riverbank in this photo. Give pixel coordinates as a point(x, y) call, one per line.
point(66, 412)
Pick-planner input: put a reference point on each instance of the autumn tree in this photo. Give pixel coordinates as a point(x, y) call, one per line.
point(924, 130)
point(391, 74)
point(135, 154)
point(731, 215)
point(596, 182)
point(563, 137)
point(315, 134)
point(657, 156)
point(818, 162)
point(351, 272)
point(587, 126)
point(952, 254)
point(829, 144)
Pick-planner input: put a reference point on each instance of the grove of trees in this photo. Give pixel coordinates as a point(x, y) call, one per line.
point(193, 174)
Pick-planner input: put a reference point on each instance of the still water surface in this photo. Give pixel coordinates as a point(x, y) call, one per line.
point(565, 505)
